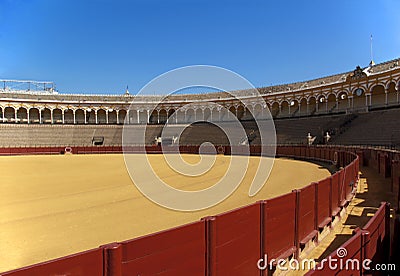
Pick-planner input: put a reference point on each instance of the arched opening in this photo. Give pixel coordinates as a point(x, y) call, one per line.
point(303, 107)
point(46, 116)
point(68, 116)
point(275, 109)
point(207, 114)
point(378, 97)
point(171, 116)
point(163, 116)
point(153, 117)
point(199, 114)
point(284, 109)
point(112, 116)
point(57, 116)
point(294, 108)
point(312, 105)
point(240, 112)
point(342, 101)
point(80, 116)
point(258, 111)
point(22, 115)
point(9, 114)
point(34, 116)
point(1, 114)
point(231, 113)
point(121, 116)
point(90, 116)
point(101, 116)
point(358, 98)
point(189, 115)
point(322, 104)
point(332, 104)
point(391, 93)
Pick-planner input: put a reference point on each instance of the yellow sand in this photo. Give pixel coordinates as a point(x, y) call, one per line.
point(52, 206)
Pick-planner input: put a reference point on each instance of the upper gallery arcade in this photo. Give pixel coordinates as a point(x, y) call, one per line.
point(355, 91)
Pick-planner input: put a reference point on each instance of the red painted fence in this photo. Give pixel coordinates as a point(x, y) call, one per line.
point(231, 243)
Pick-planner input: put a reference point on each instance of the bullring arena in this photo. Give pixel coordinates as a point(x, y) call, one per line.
point(68, 206)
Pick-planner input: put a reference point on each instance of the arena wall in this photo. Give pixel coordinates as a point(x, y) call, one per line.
point(236, 240)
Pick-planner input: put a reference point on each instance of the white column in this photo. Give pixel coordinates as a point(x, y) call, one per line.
point(63, 116)
point(299, 108)
point(308, 107)
point(15, 115)
point(40, 116)
point(386, 96)
point(117, 111)
point(128, 116)
point(51, 115)
point(27, 114)
point(107, 116)
point(73, 111)
point(137, 115)
point(148, 116)
point(84, 113)
point(158, 116)
point(95, 115)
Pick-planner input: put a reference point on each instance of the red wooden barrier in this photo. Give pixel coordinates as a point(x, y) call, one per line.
point(297, 151)
point(335, 193)
point(317, 153)
point(324, 199)
point(80, 264)
point(348, 183)
point(177, 251)
point(235, 242)
point(342, 263)
point(306, 214)
point(378, 235)
point(279, 231)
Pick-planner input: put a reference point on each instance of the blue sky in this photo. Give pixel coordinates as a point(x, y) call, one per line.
point(100, 46)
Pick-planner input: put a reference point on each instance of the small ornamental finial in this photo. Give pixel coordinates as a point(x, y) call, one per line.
point(127, 91)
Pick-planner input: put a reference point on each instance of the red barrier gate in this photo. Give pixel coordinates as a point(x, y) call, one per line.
point(177, 251)
point(234, 240)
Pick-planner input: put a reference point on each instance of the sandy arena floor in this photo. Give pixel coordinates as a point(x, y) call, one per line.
point(52, 206)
